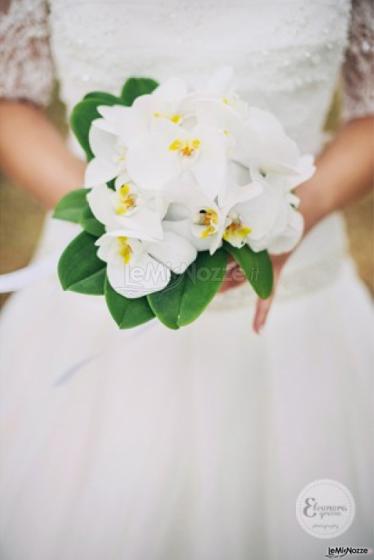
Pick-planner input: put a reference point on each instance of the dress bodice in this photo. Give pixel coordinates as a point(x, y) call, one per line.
point(286, 54)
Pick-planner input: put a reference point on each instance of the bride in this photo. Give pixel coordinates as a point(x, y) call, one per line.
point(190, 444)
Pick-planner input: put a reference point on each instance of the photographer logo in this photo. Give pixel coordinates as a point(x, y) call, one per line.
point(325, 509)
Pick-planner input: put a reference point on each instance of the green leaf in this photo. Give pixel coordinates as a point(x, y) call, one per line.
point(79, 268)
point(257, 268)
point(111, 184)
point(165, 304)
point(90, 224)
point(134, 87)
point(127, 313)
point(188, 294)
point(104, 97)
point(81, 118)
point(204, 279)
point(71, 206)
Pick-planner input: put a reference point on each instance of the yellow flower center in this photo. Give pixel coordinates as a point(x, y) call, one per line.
point(174, 118)
point(124, 249)
point(127, 200)
point(236, 231)
point(186, 148)
point(208, 218)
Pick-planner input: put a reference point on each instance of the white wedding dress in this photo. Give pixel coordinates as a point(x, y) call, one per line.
point(190, 444)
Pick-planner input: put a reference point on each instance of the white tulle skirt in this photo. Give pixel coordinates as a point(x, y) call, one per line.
point(187, 445)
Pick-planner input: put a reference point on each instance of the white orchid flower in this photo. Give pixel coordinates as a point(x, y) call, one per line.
point(109, 146)
point(265, 147)
point(220, 86)
point(131, 122)
point(131, 271)
point(216, 104)
point(286, 180)
point(260, 215)
point(109, 157)
point(120, 127)
point(127, 123)
point(165, 102)
point(169, 150)
point(110, 137)
point(207, 224)
point(274, 222)
point(223, 116)
point(137, 267)
point(291, 234)
point(128, 207)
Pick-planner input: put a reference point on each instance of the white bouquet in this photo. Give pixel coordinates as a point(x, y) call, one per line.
point(176, 181)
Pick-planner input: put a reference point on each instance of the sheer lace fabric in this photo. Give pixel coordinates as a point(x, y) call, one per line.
point(26, 69)
point(358, 69)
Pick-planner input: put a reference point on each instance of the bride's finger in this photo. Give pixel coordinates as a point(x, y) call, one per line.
point(234, 277)
point(263, 306)
point(262, 310)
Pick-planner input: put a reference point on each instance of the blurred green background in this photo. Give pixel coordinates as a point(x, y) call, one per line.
point(21, 217)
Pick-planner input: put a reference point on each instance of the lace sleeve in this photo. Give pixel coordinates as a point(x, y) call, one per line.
point(26, 70)
point(358, 69)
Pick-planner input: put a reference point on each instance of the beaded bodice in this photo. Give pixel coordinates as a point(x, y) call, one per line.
point(286, 54)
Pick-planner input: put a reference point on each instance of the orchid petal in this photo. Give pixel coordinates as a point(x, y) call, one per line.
point(102, 142)
point(183, 229)
point(99, 171)
point(150, 164)
point(174, 251)
point(261, 212)
point(237, 195)
point(290, 236)
point(215, 113)
point(264, 141)
point(209, 168)
point(130, 124)
point(101, 206)
point(144, 224)
point(141, 278)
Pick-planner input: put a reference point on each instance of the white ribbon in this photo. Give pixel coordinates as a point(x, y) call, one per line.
point(13, 281)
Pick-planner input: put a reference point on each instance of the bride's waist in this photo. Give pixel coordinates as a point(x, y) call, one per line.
point(314, 263)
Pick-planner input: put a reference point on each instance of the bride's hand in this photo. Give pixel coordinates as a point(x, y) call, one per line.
point(233, 277)
point(345, 171)
point(263, 305)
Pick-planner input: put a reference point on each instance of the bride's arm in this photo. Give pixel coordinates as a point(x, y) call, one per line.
point(31, 151)
point(34, 154)
point(345, 172)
